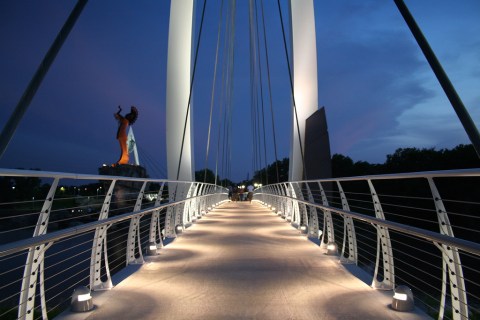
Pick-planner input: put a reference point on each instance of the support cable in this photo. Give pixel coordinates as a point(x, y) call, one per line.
point(270, 91)
point(227, 76)
point(213, 93)
point(261, 95)
point(256, 144)
point(448, 88)
point(220, 141)
point(22, 106)
point(230, 87)
point(293, 92)
point(191, 88)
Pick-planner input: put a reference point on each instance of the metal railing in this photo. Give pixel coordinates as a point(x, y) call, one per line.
point(415, 229)
point(60, 231)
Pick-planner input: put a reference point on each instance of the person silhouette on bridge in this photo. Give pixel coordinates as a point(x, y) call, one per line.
point(123, 123)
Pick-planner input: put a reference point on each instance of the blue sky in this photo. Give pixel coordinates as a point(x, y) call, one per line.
point(378, 90)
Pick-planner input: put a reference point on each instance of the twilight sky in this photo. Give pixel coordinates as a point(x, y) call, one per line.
point(379, 92)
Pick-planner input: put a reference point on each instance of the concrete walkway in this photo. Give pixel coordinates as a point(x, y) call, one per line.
point(243, 262)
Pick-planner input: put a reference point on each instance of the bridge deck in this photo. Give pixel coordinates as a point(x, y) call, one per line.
point(243, 262)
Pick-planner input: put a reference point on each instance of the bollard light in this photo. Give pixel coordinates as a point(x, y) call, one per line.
point(81, 300)
point(332, 249)
point(178, 229)
point(403, 299)
point(303, 229)
point(152, 249)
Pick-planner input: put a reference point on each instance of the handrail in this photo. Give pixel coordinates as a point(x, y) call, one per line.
point(80, 243)
point(399, 221)
point(78, 176)
point(408, 175)
point(468, 246)
point(14, 247)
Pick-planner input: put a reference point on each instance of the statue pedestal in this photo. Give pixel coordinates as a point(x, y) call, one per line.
point(124, 170)
point(125, 192)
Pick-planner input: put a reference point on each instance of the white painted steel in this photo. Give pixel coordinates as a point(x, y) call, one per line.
point(457, 287)
point(178, 91)
point(35, 248)
point(327, 221)
point(34, 265)
point(349, 236)
point(133, 239)
point(452, 266)
point(384, 248)
point(99, 247)
point(305, 88)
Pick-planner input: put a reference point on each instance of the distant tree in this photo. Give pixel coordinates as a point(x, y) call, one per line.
point(269, 174)
point(414, 160)
point(461, 157)
point(342, 166)
point(206, 175)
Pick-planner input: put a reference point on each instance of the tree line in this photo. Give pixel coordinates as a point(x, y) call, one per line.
point(402, 160)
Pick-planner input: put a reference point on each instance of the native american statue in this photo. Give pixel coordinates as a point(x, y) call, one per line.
point(123, 123)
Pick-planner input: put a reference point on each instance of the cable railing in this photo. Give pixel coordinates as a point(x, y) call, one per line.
point(418, 230)
point(61, 231)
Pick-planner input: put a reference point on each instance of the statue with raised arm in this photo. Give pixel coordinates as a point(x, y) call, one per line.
point(123, 123)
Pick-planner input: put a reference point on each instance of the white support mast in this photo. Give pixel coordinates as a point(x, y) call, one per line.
point(305, 84)
point(178, 90)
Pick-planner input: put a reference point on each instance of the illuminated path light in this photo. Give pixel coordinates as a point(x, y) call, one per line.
point(241, 261)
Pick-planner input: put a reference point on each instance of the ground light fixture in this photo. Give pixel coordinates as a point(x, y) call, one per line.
point(332, 249)
point(402, 299)
point(152, 249)
point(179, 229)
point(81, 300)
point(303, 229)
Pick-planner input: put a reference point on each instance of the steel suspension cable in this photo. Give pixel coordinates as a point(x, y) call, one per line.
point(191, 87)
point(221, 100)
point(270, 90)
point(230, 86)
point(27, 97)
point(293, 93)
point(256, 160)
point(261, 96)
point(213, 93)
point(226, 93)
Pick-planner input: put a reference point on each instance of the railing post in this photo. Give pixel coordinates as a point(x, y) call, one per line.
point(170, 214)
point(187, 208)
point(384, 247)
point(155, 227)
point(277, 200)
point(313, 231)
point(34, 262)
point(295, 208)
point(302, 208)
point(327, 221)
point(200, 203)
point(452, 266)
point(286, 203)
point(134, 232)
point(100, 245)
point(348, 232)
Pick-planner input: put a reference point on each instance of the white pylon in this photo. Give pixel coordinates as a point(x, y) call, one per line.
point(305, 83)
point(178, 90)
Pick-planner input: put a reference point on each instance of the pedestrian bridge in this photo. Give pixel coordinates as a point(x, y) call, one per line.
point(127, 248)
point(242, 261)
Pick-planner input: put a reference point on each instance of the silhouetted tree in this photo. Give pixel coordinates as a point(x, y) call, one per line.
point(270, 173)
point(210, 176)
